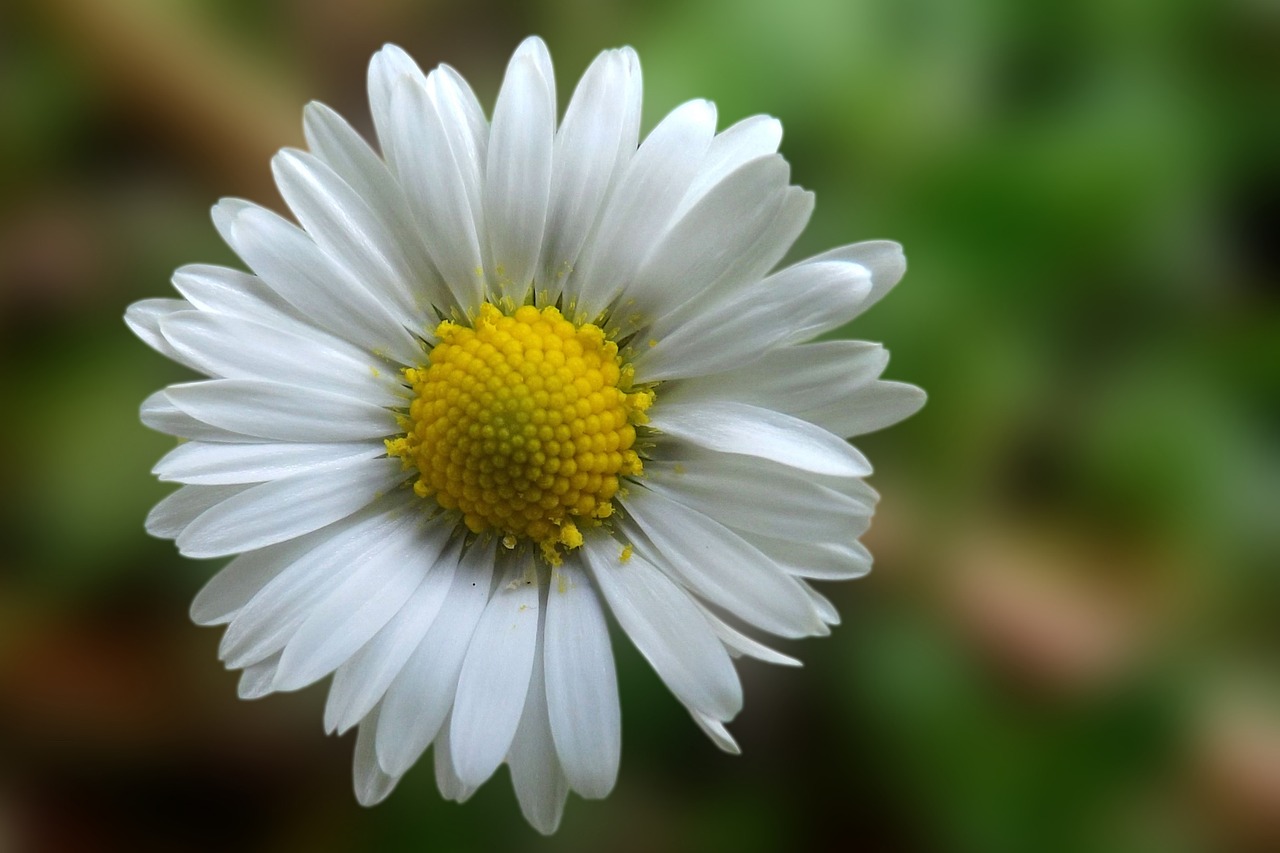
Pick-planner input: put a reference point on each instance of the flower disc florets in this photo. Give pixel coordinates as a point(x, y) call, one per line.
point(524, 423)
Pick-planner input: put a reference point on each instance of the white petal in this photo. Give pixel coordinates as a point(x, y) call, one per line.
point(727, 221)
point(667, 628)
point(438, 171)
point(828, 561)
point(540, 784)
point(791, 306)
point(387, 68)
point(883, 258)
point(823, 605)
point(296, 269)
point(752, 431)
point(224, 215)
point(422, 695)
point(755, 136)
point(332, 139)
point(856, 489)
point(840, 286)
point(745, 493)
point(281, 412)
point(495, 676)
point(789, 379)
point(721, 566)
point(715, 730)
point(233, 348)
point(265, 624)
point(464, 110)
point(207, 463)
point(160, 414)
point(743, 273)
point(360, 682)
point(867, 409)
point(372, 784)
point(739, 643)
point(255, 680)
point(352, 233)
point(451, 787)
point(518, 174)
point(232, 293)
point(595, 142)
point(581, 685)
point(291, 506)
point(222, 598)
point(358, 609)
point(335, 142)
point(177, 510)
point(143, 319)
point(673, 454)
point(641, 208)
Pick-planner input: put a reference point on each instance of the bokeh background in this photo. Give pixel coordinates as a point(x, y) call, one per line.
point(1070, 640)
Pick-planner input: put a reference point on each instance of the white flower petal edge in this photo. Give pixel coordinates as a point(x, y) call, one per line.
point(518, 173)
point(668, 628)
point(540, 782)
point(485, 646)
point(363, 679)
point(581, 686)
point(593, 145)
point(494, 680)
point(421, 695)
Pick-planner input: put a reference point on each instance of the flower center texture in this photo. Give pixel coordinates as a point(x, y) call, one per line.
point(524, 423)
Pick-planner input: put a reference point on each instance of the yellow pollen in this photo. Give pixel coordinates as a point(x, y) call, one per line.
point(523, 423)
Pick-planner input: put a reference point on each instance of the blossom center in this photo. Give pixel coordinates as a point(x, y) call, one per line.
point(524, 423)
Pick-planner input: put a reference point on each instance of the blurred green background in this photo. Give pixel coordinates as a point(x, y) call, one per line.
point(1070, 640)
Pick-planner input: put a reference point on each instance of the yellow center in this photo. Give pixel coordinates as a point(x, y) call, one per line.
point(524, 423)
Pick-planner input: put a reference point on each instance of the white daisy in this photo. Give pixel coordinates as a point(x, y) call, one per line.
point(506, 377)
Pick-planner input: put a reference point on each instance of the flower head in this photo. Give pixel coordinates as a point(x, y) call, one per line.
point(505, 378)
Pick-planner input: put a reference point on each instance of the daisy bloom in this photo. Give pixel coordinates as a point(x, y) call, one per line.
point(505, 378)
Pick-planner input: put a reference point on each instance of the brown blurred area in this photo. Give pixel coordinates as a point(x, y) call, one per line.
point(1070, 640)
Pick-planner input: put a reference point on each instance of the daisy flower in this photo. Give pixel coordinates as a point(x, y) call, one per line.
point(500, 380)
